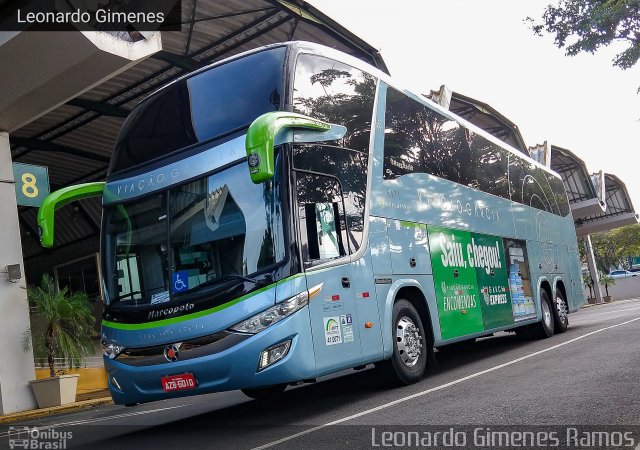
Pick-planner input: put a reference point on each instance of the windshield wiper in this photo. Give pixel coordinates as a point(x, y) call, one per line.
point(217, 281)
point(240, 277)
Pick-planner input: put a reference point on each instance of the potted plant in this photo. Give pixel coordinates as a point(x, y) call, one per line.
point(587, 280)
point(63, 324)
point(606, 281)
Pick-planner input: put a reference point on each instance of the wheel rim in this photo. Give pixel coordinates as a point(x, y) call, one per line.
point(546, 314)
point(561, 305)
point(409, 341)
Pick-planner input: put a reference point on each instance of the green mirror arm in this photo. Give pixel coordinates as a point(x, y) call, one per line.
point(59, 198)
point(261, 137)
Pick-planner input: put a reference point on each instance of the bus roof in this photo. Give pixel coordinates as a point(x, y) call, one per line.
point(322, 50)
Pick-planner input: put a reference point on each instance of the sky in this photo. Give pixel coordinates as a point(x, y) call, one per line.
point(483, 49)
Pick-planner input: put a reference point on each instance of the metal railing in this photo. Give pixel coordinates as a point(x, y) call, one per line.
point(61, 363)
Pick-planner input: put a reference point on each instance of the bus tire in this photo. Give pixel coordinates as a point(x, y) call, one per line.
point(265, 393)
point(408, 362)
point(560, 313)
point(545, 328)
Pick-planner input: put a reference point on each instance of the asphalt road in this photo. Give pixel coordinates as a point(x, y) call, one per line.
point(588, 376)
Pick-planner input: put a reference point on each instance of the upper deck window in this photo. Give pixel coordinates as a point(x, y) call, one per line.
point(419, 139)
point(201, 107)
point(335, 92)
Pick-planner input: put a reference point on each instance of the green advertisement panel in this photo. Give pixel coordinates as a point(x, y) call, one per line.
point(456, 285)
point(487, 255)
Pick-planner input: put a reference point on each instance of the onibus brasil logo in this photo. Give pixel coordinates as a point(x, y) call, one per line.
point(40, 439)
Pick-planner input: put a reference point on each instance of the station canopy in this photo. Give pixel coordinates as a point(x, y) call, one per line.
point(599, 201)
point(480, 114)
point(486, 117)
point(75, 139)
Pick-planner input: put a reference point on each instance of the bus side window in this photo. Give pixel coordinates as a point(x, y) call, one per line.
point(321, 217)
point(419, 139)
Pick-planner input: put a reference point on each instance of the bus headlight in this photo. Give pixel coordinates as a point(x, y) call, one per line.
point(276, 313)
point(111, 350)
point(273, 354)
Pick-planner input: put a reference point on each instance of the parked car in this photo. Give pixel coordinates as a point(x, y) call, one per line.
point(622, 274)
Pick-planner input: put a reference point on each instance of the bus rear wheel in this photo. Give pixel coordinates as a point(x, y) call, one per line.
point(560, 312)
point(265, 393)
point(545, 328)
point(408, 362)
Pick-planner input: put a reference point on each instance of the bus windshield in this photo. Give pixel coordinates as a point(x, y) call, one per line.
point(201, 107)
point(194, 236)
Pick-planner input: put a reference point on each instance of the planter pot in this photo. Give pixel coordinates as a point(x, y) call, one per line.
point(56, 391)
point(607, 299)
point(592, 301)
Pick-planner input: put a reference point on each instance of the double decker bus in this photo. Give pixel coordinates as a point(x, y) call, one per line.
point(292, 212)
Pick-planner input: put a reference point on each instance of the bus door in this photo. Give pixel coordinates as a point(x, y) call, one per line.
point(323, 238)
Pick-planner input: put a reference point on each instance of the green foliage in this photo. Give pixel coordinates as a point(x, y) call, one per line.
point(63, 323)
point(586, 25)
point(613, 248)
point(588, 281)
point(606, 281)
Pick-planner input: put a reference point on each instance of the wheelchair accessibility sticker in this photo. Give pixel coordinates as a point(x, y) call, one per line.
point(180, 281)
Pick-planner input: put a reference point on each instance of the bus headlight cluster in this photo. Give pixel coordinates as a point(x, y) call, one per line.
point(111, 350)
point(276, 313)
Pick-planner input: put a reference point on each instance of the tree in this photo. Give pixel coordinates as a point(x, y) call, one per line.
point(606, 281)
point(586, 279)
point(613, 248)
point(65, 323)
point(586, 25)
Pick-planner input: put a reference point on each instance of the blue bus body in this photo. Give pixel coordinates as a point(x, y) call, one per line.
point(389, 257)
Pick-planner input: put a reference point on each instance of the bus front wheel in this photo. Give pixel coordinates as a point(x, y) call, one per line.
point(408, 362)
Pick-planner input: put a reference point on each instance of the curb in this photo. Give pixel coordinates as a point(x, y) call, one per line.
point(622, 300)
point(590, 305)
point(35, 413)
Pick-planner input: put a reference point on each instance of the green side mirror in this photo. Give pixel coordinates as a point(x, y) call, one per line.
point(57, 200)
point(261, 136)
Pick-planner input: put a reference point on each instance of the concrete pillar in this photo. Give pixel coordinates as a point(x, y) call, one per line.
point(16, 366)
point(593, 269)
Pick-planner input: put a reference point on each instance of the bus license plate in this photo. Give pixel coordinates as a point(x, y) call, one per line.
point(182, 382)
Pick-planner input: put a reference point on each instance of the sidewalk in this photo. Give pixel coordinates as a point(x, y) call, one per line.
point(622, 300)
point(83, 401)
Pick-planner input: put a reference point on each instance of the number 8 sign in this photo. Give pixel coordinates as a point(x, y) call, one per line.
point(32, 184)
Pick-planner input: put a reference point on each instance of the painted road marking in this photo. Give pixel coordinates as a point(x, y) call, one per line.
point(438, 388)
point(98, 419)
point(620, 310)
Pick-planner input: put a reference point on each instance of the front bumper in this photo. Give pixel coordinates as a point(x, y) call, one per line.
point(232, 368)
